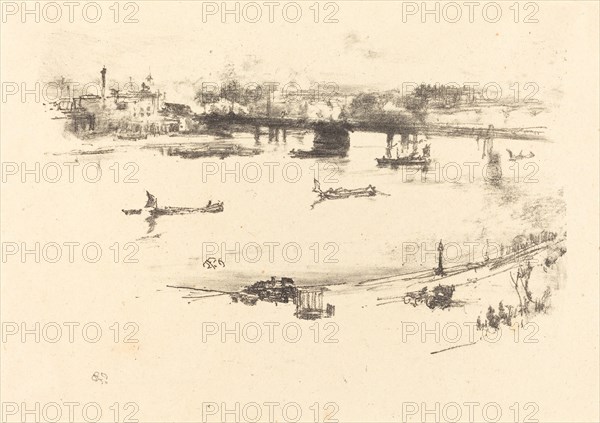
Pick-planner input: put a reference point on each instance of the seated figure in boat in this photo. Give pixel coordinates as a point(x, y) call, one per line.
point(415, 153)
point(427, 150)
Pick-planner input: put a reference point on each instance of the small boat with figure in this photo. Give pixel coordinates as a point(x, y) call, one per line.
point(155, 211)
point(341, 193)
point(212, 207)
point(338, 193)
point(413, 159)
point(152, 203)
point(520, 156)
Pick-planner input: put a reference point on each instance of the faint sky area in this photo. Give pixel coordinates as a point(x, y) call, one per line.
point(371, 48)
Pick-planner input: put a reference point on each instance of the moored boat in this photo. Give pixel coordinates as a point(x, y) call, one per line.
point(213, 207)
point(413, 159)
point(132, 136)
point(403, 161)
point(154, 211)
point(341, 193)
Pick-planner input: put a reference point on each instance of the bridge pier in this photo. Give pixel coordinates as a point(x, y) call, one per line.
point(390, 139)
point(331, 139)
point(257, 134)
point(404, 141)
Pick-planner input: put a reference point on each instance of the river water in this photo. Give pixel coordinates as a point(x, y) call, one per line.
point(268, 227)
point(356, 239)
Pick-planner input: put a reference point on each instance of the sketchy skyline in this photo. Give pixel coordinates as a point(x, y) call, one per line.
point(354, 52)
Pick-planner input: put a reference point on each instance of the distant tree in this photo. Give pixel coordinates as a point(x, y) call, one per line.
point(366, 104)
point(230, 89)
point(419, 100)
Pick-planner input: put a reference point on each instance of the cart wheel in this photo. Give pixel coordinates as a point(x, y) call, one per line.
point(430, 302)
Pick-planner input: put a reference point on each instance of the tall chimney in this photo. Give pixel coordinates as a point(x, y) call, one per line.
point(103, 73)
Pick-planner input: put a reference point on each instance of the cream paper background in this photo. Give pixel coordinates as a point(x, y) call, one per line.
point(170, 372)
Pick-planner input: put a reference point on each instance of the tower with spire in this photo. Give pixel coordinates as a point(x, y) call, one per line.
point(439, 270)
